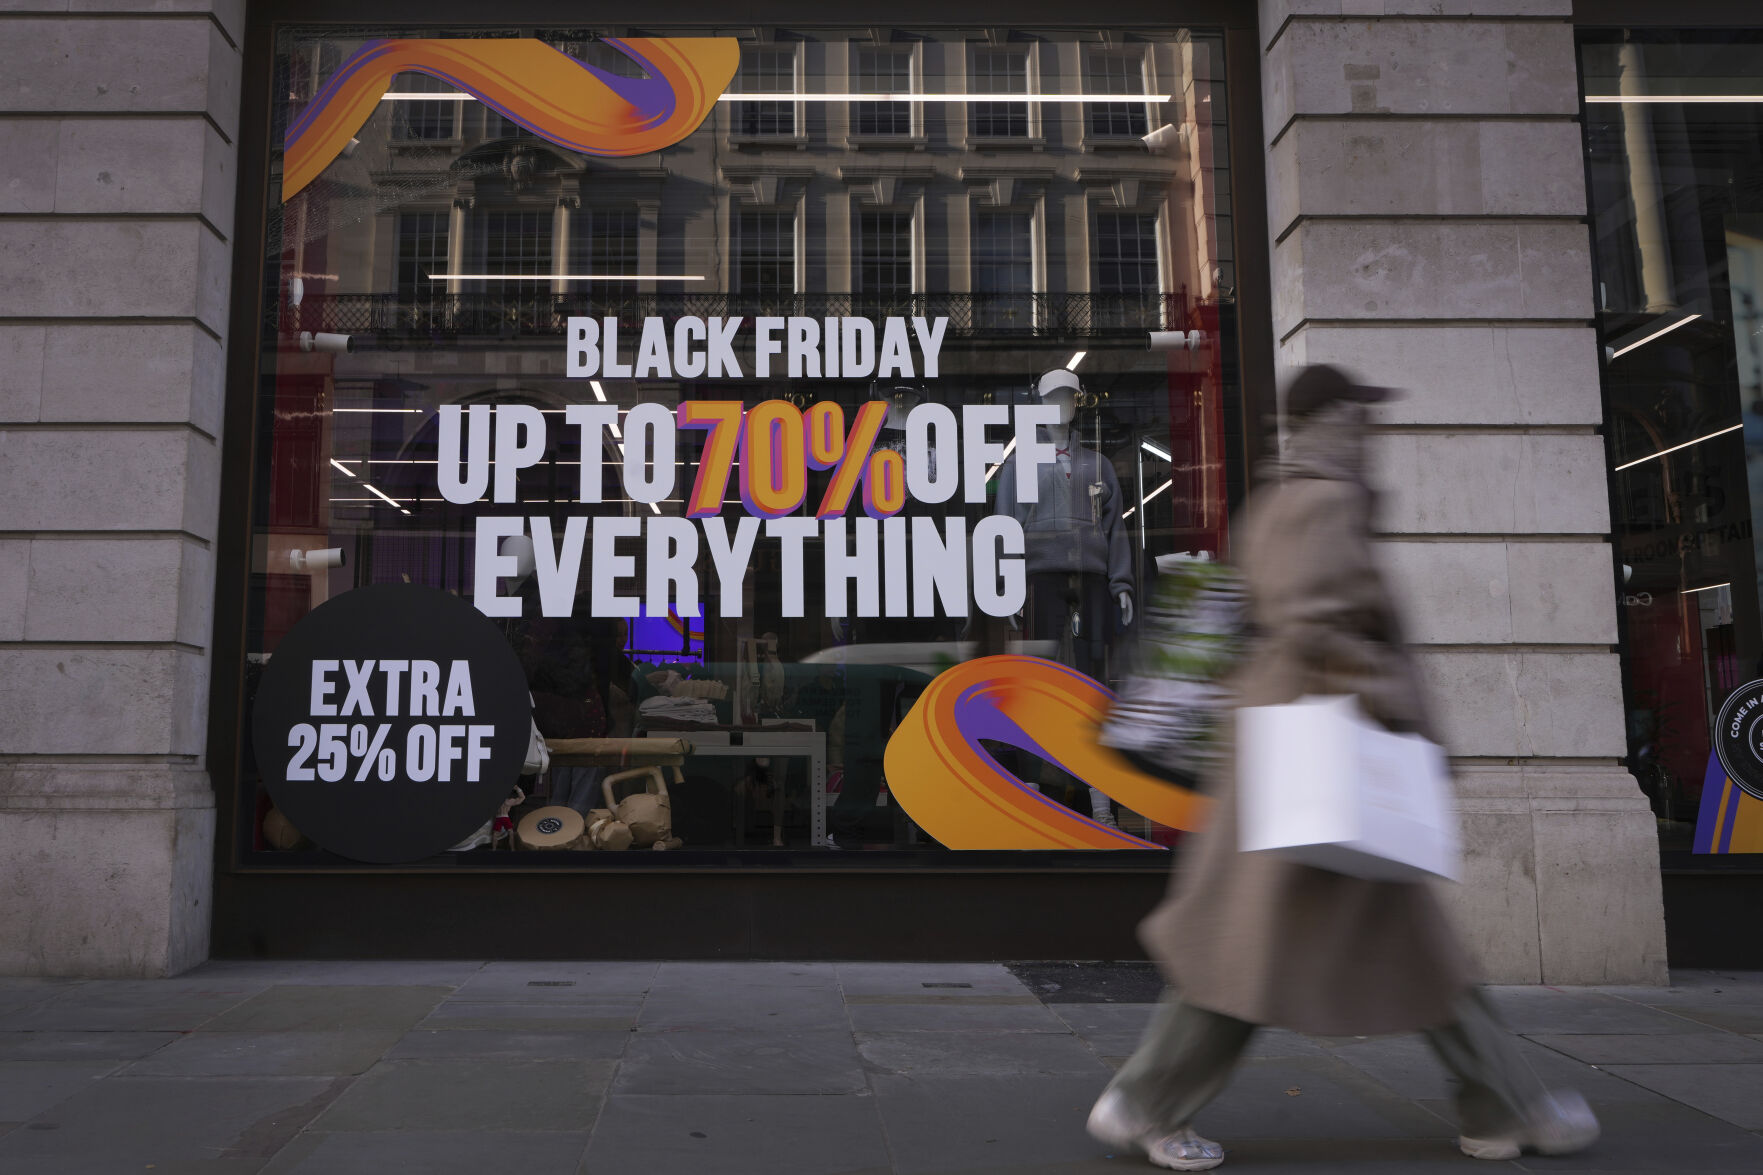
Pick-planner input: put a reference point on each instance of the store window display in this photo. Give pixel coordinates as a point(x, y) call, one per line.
point(727, 429)
point(1675, 159)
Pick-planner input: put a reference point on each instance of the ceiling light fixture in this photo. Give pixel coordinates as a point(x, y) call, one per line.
point(566, 277)
point(1662, 452)
point(1661, 331)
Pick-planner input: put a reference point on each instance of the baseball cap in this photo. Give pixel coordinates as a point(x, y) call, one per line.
point(1320, 385)
point(1056, 379)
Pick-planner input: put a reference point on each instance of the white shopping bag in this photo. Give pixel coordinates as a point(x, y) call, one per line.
point(1320, 784)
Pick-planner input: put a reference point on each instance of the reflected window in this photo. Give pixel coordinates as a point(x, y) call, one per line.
point(1116, 72)
point(770, 70)
point(1003, 268)
point(999, 71)
point(882, 70)
point(767, 252)
point(604, 241)
point(424, 119)
point(422, 250)
point(884, 260)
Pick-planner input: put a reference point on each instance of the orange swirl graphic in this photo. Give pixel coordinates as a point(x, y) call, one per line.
point(565, 101)
point(953, 788)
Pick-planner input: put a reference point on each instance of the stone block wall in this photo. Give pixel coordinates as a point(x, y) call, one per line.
point(1425, 184)
point(118, 121)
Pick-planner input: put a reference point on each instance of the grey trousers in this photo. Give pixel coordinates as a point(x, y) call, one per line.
point(1187, 1055)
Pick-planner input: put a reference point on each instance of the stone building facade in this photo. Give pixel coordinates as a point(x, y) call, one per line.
point(1424, 220)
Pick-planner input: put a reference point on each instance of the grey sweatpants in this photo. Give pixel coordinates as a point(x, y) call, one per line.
point(1187, 1054)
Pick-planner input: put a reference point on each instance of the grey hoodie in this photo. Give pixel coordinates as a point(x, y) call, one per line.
point(1064, 531)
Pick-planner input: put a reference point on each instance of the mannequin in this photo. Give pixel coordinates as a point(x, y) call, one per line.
point(1078, 560)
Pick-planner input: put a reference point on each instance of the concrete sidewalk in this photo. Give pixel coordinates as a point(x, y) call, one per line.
point(776, 1068)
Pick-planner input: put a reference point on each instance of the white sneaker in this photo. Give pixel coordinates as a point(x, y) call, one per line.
point(1185, 1150)
point(1559, 1124)
point(1114, 1121)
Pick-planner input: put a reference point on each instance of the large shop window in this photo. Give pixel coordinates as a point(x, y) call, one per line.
point(891, 311)
point(1674, 134)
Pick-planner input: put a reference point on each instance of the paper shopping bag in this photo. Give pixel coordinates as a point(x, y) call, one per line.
point(1320, 784)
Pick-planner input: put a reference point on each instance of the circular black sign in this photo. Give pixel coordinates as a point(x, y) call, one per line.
point(1738, 737)
point(391, 723)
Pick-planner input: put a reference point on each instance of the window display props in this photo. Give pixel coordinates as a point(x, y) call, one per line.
point(392, 721)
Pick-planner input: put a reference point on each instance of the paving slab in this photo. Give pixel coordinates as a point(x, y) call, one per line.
point(336, 1008)
point(759, 1134)
point(160, 1005)
point(783, 1008)
point(1656, 1048)
point(539, 1017)
point(82, 1046)
point(471, 1094)
point(347, 973)
point(498, 1044)
point(267, 1054)
point(955, 1017)
point(697, 976)
point(1314, 1097)
point(1001, 1055)
point(558, 983)
point(1557, 1010)
point(719, 1061)
point(1733, 1093)
point(29, 1088)
point(1649, 1133)
point(121, 1126)
point(1353, 1156)
point(950, 979)
point(435, 1152)
point(948, 1124)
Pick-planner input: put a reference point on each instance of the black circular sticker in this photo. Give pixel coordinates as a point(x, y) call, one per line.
point(1738, 738)
point(392, 721)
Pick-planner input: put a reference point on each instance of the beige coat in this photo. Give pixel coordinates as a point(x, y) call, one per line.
point(1282, 944)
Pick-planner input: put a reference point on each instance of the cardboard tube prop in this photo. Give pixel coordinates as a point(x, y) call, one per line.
point(555, 827)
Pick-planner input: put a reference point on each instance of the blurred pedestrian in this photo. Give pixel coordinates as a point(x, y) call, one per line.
point(1247, 940)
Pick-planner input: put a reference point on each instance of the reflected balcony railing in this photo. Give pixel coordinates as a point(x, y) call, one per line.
point(493, 315)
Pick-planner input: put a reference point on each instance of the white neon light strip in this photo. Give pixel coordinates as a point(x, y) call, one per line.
point(1146, 500)
point(791, 96)
point(1008, 449)
point(418, 411)
point(1709, 588)
point(342, 467)
point(567, 277)
point(1614, 355)
point(1155, 450)
point(370, 488)
point(1667, 99)
point(1675, 448)
point(1075, 360)
point(600, 395)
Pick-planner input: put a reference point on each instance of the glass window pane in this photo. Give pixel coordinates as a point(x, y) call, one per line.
point(453, 269)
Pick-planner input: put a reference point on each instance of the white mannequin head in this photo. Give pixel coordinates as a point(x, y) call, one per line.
point(521, 547)
point(1059, 388)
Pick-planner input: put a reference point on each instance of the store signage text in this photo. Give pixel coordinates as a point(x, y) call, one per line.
point(807, 348)
point(895, 569)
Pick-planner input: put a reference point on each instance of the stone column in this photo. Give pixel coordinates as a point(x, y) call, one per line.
point(1425, 181)
point(117, 129)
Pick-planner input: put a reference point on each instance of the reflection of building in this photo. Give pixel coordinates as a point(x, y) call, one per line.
point(1404, 197)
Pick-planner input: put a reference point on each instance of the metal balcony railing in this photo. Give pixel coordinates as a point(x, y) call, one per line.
point(447, 318)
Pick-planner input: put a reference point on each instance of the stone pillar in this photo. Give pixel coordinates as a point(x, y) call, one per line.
point(116, 211)
point(1425, 178)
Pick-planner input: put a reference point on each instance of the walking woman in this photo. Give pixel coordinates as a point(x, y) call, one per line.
point(1246, 940)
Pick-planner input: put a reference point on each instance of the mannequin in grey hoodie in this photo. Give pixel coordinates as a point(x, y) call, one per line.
point(1076, 553)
